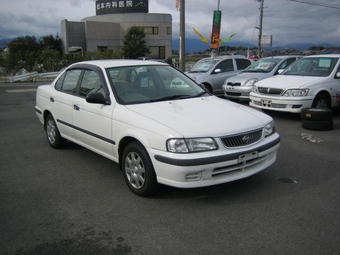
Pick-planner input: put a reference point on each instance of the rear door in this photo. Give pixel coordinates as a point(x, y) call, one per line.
point(62, 101)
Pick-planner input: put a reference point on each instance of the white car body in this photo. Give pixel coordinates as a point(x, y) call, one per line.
point(294, 90)
point(108, 128)
point(240, 85)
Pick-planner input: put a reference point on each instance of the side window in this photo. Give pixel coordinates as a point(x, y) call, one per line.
point(59, 83)
point(242, 63)
point(90, 84)
point(69, 84)
point(225, 66)
point(286, 63)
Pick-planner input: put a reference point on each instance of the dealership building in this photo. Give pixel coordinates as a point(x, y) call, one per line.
point(106, 30)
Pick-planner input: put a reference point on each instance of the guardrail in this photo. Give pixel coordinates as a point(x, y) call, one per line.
point(33, 76)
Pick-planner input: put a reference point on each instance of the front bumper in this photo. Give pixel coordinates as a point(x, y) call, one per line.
point(237, 92)
point(216, 167)
point(283, 104)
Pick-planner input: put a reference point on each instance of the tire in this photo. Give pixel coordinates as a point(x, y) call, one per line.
point(208, 88)
point(316, 114)
point(321, 125)
point(52, 133)
point(139, 173)
point(321, 101)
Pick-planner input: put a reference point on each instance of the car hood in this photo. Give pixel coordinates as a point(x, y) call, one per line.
point(289, 81)
point(197, 75)
point(243, 77)
point(201, 117)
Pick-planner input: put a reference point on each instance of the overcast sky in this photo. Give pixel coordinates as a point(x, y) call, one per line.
point(287, 21)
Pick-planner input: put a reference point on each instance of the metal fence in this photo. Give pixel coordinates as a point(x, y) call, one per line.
point(34, 76)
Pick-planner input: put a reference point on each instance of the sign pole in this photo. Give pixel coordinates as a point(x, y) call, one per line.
point(182, 36)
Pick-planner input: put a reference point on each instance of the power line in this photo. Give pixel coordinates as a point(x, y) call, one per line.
point(317, 4)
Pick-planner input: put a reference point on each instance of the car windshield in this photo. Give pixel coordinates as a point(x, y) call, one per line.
point(263, 66)
point(312, 66)
point(203, 66)
point(147, 84)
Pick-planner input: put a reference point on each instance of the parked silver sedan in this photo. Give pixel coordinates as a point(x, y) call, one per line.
point(240, 85)
point(213, 71)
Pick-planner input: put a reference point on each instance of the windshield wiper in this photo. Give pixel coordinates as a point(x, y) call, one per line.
point(197, 71)
point(172, 97)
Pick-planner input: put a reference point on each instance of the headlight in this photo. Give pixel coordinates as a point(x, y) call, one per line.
point(250, 82)
point(255, 89)
point(191, 145)
point(269, 129)
point(296, 93)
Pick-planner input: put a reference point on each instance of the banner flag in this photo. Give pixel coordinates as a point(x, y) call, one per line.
point(203, 39)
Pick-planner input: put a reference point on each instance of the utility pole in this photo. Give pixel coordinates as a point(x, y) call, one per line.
point(260, 29)
point(182, 36)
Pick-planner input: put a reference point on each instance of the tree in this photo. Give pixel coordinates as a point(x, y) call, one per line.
point(49, 42)
point(134, 43)
point(22, 52)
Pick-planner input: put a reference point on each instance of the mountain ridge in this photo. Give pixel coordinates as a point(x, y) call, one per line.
point(195, 45)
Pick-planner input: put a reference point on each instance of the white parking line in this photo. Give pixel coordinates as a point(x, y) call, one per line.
point(20, 90)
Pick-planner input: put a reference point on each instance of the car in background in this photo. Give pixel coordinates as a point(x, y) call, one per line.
point(156, 123)
point(240, 85)
point(213, 71)
point(310, 82)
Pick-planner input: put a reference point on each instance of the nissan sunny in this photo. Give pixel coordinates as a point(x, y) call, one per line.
point(155, 122)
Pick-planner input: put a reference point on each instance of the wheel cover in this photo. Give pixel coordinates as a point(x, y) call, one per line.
point(134, 170)
point(51, 131)
point(321, 103)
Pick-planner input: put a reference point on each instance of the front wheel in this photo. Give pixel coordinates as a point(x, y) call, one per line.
point(138, 171)
point(321, 101)
point(52, 133)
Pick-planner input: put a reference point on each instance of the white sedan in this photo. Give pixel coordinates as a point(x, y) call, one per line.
point(312, 81)
point(130, 112)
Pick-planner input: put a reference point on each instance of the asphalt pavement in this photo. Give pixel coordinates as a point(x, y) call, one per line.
point(73, 201)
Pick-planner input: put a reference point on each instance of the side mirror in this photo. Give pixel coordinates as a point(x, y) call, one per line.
point(337, 75)
point(217, 70)
point(280, 71)
point(97, 98)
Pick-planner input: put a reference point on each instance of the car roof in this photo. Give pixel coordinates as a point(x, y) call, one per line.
point(119, 62)
point(324, 56)
point(225, 57)
point(283, 56)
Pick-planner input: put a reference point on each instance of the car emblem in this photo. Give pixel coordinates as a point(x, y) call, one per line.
point(268, 89)
point(246, 139)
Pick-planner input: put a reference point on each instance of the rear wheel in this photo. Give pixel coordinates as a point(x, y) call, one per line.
point(52, 133)
point(138, 170)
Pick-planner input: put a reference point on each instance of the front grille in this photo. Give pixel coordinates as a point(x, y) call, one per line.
point(233, 84)
point(233, 94)
point(269, 91)
point(243, 139)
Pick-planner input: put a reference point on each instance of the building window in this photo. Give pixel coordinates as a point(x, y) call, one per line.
point(102, 48)
point(151, 30)
point(168, 30)
point(157, 52)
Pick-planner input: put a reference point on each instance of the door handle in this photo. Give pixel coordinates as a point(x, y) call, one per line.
point(52, 99)
point(76, 107)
